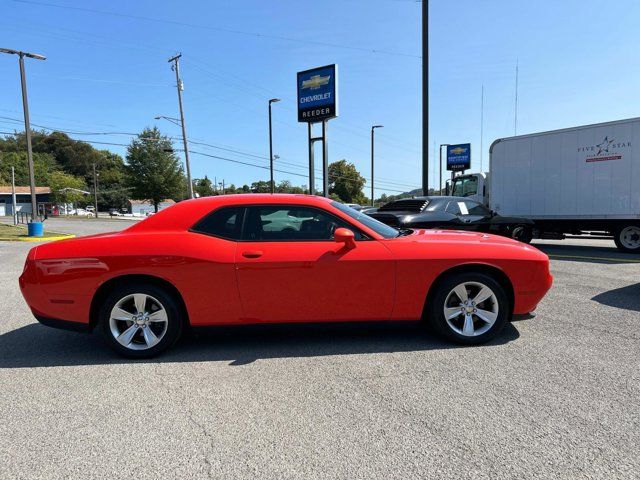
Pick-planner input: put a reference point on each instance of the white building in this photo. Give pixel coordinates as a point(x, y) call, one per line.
point(23, 199)
point(144, 207)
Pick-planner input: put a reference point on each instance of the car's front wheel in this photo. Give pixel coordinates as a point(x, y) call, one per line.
point(140, 320)
point(469, 308)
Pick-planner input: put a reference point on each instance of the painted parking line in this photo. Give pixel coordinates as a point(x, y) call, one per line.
point(599, 259)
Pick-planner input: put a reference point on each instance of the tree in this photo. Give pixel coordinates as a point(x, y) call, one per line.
point(260, 186)
point(66, 188)
point(203, 187)
point(346, 182)
point(153, 171)
point(56, 151)
point(43, 166)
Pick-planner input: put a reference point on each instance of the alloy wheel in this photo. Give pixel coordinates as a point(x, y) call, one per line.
point(471, 309)
point(138, 321)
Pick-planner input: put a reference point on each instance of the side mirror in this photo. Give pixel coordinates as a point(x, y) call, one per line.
point(344, 235)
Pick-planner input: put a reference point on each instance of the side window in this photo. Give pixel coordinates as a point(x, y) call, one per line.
point(225, 223)
point(291, 223)
point(476, 209)
point(453, 208)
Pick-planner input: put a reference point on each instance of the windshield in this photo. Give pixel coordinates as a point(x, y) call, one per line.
point(380, 228)
point(465, 186)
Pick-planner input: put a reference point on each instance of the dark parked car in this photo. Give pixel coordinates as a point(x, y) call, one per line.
point(457, 213)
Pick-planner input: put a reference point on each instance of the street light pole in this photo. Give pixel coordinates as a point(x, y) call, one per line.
point(440, 153)
point(13, 197)
point(271, 184)
point(176, 68)
point(27, 126)
point(372, 157)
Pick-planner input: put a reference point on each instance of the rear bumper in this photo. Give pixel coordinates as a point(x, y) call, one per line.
point(63, 324)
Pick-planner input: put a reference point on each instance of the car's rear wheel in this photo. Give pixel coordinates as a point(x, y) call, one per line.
point(627, 238)
point(469, 308)
point(140, 320)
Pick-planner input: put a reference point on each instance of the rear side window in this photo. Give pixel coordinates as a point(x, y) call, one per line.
point(224, 223)
point(453, 208)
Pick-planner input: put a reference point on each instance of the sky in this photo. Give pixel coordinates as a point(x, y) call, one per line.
point(107, 73)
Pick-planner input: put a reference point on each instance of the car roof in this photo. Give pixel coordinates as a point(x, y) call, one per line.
point(184, 214)
point(433, 197)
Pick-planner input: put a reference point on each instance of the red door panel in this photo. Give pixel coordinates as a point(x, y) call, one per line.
point(315, 281)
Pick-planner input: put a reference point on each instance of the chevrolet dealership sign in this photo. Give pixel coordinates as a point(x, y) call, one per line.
point(459, 157)
point(318, 94)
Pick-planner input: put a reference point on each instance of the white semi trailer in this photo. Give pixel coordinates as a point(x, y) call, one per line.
point(582, 180)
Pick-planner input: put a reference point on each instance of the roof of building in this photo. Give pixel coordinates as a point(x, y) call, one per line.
point(6, 189)
point(147, 202)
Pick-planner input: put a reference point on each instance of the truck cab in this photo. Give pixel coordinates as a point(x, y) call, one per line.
point(473, 185)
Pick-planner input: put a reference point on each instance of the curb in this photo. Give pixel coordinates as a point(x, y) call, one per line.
point(35, 239)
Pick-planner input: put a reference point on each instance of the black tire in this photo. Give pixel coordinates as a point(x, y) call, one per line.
point(626, 236)
point(158, 295)
point(522, 233)
point(435, 309)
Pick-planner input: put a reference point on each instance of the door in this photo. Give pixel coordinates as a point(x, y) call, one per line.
point(292, 270)
point(472, 215)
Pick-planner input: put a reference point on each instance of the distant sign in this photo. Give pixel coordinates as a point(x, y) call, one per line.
point(459, 157)
point(318, 94)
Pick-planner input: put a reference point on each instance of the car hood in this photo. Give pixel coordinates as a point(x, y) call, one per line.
point(461, 245)
point(455, 236)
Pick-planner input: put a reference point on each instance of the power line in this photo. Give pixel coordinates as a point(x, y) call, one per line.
point(231, 150)
point(228, 149)
point(221, 29)
point(266, 167)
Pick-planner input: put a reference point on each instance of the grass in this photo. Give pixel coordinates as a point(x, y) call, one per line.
point(10, 232)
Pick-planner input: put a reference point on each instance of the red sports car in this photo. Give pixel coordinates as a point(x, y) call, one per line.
point(250, 259)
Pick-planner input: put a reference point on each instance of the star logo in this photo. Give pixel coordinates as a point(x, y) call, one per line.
point(604, 146)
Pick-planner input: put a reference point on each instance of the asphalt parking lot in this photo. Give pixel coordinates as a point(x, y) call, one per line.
point(557, 396)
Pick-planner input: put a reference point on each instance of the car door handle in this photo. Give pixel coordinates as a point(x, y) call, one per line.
point(252, 254)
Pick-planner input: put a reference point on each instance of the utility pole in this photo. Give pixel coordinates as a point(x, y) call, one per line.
point(27, 127)
point(271, 184)
point(425, 97)
point(481, 125)
point(373, 128)
point(13, 196)
point(176, 67)
point(95, 190)
point(515, 113)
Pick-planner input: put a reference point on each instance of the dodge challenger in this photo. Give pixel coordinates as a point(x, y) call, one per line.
point(255, 259)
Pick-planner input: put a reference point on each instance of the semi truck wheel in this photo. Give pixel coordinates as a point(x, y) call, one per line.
point(627, 238)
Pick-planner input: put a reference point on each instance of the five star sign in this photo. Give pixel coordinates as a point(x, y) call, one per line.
point(604, 146)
